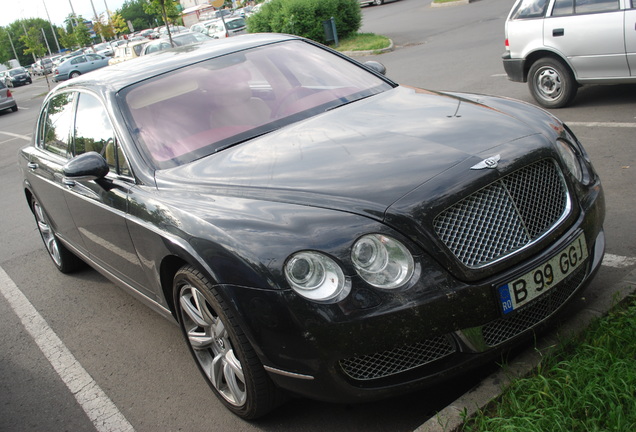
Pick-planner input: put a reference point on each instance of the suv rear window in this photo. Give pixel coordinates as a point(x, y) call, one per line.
point(530, 9)
point(571, 7)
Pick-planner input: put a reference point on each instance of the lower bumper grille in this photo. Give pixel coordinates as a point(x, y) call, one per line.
point(499, 331)
point(380, 365)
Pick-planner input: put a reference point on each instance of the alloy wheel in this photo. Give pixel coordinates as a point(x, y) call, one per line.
point(209, 339)
point(47, 235)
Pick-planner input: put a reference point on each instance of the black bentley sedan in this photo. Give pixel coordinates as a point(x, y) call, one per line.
point(312, 226)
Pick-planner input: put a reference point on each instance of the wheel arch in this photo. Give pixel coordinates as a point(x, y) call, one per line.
point(537, 55)
point(28, 194)
point(168, 269)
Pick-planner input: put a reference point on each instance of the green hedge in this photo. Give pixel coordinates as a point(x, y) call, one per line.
point(305, 18)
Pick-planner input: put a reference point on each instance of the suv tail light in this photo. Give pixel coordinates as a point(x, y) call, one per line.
point(9, 93)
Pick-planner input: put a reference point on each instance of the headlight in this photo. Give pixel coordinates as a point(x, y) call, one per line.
point(316, 276)
point(382, 261)
point(570, 159)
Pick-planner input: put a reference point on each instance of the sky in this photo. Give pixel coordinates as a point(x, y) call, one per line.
point(58, 10)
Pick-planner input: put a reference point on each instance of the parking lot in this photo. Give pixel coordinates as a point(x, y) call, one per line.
point(138, 361)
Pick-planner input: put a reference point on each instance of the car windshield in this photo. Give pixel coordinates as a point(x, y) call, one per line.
point(236, 23)
point(20, 71)
point(190, 38)
point(196, 111)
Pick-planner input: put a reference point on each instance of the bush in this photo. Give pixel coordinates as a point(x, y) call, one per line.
point(305, 18)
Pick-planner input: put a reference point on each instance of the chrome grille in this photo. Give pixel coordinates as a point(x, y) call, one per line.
point(505, 215)
point(503, 329)
point(401, 359)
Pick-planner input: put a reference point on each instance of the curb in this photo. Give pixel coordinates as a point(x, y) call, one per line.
point(391, 47)
point(451, 418)
point(450, 3)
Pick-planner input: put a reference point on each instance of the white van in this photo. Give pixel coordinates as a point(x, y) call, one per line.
point(558, 45)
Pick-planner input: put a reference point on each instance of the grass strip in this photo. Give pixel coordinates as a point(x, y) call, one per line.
point(363, 42)
point(588, 384)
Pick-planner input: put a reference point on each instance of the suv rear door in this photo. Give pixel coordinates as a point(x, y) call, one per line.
point(630, 35)
point(591, 34)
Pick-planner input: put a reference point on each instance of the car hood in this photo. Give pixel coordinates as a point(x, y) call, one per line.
point(361, 157)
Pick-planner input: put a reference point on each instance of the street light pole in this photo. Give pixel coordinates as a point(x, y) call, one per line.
point(47, 42)
point(97, 18)
point(52, 28)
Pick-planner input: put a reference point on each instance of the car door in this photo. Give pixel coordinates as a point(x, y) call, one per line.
point(590, 33)
point(45, 160)
point(99, 207)
point(93, 61)
point(630, 34)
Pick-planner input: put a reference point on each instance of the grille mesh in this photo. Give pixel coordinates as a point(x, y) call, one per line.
point(391, 362)
point(504, 216)
point(503, 329)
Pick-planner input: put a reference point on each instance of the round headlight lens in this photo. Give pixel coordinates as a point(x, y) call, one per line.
point(570, 159)
point(316, 276)
point(382, 261)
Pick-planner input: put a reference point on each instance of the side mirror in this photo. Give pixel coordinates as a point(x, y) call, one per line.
point(87, 166)
point(376, 66)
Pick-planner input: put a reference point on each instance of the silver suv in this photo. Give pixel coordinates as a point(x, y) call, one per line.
point(558, 45)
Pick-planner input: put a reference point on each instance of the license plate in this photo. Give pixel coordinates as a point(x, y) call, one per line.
point(519, 292)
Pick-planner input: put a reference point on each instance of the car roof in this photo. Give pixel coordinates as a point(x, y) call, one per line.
point(115, 77)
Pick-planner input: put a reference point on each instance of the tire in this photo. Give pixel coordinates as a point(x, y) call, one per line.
point(64, 259)
point(74, 74)
point(378, 2)
point(14, 108)
point(552, 83)
point(220, 348)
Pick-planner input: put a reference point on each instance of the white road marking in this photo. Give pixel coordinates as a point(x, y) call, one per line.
point(618, 261)
point(95, 403)
point(24, 137)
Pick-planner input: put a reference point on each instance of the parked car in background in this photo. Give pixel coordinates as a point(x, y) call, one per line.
point(78, 65)
point(255, 190)
point(128, 51)
point(163, 31)
point(201, 25)
point(226, 27)
point(43, 66)
point(558, 45)
point(6, 99)
point(180, 39)
point(17, 77)
point(104, 49)
point(372, 2)
point(149, 34)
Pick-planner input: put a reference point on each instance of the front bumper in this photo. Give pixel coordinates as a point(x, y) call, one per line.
point(367, 347)
point(20, 81)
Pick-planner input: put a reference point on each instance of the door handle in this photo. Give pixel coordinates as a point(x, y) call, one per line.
point(558, 32)
point(32, 166)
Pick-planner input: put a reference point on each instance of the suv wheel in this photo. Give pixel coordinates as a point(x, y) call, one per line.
point(551, 83)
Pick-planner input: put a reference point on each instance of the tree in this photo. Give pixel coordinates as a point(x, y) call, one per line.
point(134, 12)
point(119, 24)
point(81, 33)
point(167, 9)
point(66, 39)
point(11, 35)
point(107, 31)
point(305, 18)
